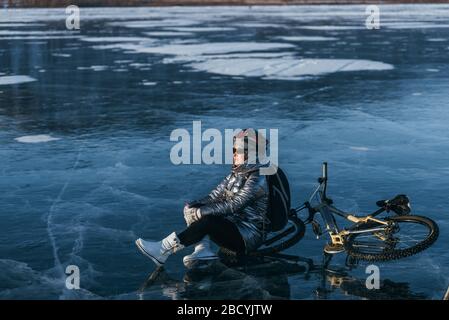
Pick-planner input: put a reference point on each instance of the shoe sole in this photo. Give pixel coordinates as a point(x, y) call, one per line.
point(188, 263)
point(202, 258)
point(157, 262)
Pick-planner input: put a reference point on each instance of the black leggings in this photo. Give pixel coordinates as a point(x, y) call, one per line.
point(220, 230)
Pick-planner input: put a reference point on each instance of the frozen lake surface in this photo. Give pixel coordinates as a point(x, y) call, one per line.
point(85, 120)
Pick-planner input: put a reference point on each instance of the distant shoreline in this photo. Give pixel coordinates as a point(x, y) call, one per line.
point(161, 3)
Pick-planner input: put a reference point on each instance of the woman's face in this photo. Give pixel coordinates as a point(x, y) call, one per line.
point(239, 157)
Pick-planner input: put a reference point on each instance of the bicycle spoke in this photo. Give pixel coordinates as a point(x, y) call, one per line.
point(398, 236)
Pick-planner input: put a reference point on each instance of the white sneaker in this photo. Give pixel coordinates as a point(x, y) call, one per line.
point(202, 252)
point(159, 251)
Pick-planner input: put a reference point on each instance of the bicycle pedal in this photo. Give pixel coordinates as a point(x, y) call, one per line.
point(333, 248)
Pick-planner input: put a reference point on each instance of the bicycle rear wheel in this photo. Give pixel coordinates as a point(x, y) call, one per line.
point(406, 236)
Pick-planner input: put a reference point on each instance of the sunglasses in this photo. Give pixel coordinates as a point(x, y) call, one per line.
point(234, 150)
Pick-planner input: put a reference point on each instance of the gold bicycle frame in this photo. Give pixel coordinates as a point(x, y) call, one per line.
point(327, 212)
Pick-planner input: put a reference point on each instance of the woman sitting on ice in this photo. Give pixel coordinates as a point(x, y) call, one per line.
point(233, 215)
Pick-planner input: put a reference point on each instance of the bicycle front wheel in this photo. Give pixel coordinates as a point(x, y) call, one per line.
point(405, 236)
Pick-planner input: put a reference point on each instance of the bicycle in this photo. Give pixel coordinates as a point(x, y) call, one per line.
point(370, 237)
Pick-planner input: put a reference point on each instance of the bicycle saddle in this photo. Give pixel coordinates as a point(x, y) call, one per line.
point(381, 203)
point(399, 204)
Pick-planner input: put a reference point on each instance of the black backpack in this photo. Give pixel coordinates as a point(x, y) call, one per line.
point(279, 200)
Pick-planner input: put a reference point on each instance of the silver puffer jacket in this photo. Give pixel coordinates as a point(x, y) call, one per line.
point(242, 198)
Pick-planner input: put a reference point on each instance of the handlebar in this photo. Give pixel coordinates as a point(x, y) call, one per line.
point(325, 170)
point(324, 179)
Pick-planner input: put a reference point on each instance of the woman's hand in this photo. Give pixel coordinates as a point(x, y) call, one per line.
point(191, 214)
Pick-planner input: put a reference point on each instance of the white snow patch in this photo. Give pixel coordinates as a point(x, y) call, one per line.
point(94, 68)
point(37, 37)
point(115, 39)
point(15, 25)
point(167, 34)
point(5, 80)
point(62, 55)
point(149, 83)
point(173, 22)
point(98, 68)
point(211, 48)
point(201, 29)
point(244, 59)
point(32, 33)
point(307, 38)
point(123, 46)
point(360, 148)
point(139, 65)
point(265, 55)
point(332, 27)
point(413, 25)
point(36, 138)
point(285, 68)
point(258, 25)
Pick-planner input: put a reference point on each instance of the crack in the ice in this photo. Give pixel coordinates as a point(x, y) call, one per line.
point(50, 214)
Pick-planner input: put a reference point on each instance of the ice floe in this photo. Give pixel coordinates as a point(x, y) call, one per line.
point(5, 80)
point(36, 138)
